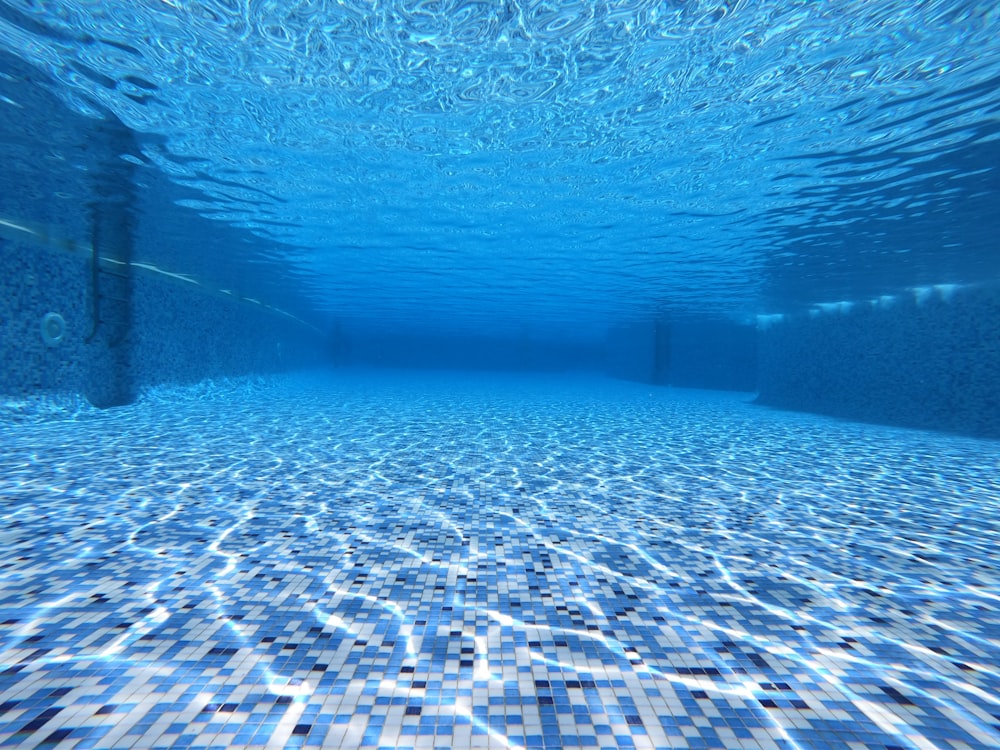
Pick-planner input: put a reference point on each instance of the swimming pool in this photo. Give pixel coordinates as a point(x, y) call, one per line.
point(356, 363)
point(379, 559)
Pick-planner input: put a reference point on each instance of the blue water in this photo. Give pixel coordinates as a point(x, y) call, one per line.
point(417, 558)
point(478, 167)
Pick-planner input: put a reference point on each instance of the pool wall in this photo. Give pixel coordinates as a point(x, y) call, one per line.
point(81, 181)
point(713, 354)
point(175, 331)
point(928, 358)
point(636, 351)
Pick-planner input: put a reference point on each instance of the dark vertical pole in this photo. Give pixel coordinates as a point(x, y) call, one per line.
point(661, 360)
point(110, 380)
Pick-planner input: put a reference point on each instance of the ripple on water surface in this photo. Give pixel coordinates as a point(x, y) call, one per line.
point(366, 560)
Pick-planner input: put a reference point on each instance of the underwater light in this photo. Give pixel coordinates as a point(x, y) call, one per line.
point(921, 296)
point(843, 306)
point(766, 321)
point(946, 291)
point(922, 293)
point(53, 329)
point(885, 301)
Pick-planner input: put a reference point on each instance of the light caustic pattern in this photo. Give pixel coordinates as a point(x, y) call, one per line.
point(431, 561)
point(471, 165)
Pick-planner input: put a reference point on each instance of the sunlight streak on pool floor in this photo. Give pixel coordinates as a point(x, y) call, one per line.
point(427, 560)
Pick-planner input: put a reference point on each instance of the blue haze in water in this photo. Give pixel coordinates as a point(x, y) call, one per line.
point(377, 558)
point(482, 166)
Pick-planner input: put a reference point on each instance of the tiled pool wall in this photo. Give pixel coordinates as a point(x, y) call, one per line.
point(714, 354)
point(717, 355)
point(34, 282)
point(176, 334)
point(635, 351)
point(182, 335)
point(929, 358)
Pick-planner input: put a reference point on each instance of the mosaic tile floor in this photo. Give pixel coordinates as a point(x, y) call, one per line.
point(371, 561)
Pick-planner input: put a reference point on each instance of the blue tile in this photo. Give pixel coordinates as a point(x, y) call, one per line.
point(709, 565)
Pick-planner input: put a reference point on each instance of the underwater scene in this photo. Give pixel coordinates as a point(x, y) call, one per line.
point(500, 374)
